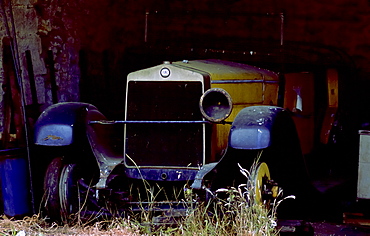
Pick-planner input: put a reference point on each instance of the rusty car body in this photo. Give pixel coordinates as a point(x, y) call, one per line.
point(187, 125)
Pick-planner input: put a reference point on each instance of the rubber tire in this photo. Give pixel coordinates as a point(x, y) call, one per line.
point(68, 192)
point(51, 189)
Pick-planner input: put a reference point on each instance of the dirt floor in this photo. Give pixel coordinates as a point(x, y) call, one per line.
point(297, 227)
point(322, 228)
point(335, 211)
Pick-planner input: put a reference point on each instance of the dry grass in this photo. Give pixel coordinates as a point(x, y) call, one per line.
point(39, 227)
point(236, 214)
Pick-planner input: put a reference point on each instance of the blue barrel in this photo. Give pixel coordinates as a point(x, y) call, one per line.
point(15, 185)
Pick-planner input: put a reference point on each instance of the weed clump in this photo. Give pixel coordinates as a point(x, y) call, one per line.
point(239, 213)
point(232, 211)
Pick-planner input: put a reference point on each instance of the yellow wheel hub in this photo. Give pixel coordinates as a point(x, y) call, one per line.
point(261, 177)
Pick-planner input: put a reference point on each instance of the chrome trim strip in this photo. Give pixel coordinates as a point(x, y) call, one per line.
point(243, 81)
point(110, 122)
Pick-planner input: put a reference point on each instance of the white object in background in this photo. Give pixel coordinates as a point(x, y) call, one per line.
point(298, 103)
point(363, 182)
point(21, 233)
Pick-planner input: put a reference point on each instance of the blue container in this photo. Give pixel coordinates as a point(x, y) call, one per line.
point(15, 186)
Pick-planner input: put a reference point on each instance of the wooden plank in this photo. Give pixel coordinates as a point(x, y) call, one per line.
point(356, 218)
point(332, 80)
point(11, 137)
point(332, 108)
point(13, 117)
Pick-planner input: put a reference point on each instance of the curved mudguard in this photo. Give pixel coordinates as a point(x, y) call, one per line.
point(269, 129)
point(59, 123)
point(253, 126)
point(266, 134)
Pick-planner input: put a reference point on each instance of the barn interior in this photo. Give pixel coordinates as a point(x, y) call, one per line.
point(68, 51)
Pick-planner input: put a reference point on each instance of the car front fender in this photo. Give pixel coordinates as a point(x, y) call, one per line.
point(59, 123)
point(254, 127)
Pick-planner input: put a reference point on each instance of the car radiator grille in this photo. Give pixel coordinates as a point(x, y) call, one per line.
point(164, 144)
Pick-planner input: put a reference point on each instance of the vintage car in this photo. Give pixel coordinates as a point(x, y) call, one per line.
point(187, 125)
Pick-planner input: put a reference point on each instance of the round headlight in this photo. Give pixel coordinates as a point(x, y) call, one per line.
point(215, 105)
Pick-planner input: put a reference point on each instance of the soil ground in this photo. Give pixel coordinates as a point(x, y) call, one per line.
point(335, 212)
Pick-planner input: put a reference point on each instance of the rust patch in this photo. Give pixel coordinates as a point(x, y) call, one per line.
point(53, 137)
